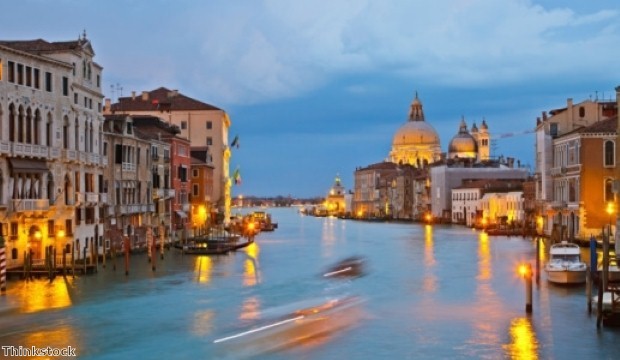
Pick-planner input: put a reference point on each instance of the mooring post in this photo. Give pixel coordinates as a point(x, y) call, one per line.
point(528, 289)
point(537, 260)
point(2, 266)
point(589, 289)
point(154, 255)
point(126, 255)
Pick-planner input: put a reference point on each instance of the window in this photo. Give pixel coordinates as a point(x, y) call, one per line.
point(183, 125)
point(11, 71)
point(209, 125)
point(182, 173)
point(37, 80)
point(609, 194)
point(98, 80)
point(75, 98)
point(48, 81)
point(68, 227)
point(609, 149)
point(65, 86)
point(209, 141)
point(118, 154)
point(50, 227)
point(195, 173)
point(20, 74)
point(195, 190)
point(28, 76)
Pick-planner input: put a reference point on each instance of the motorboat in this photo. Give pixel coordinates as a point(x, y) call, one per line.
point(292, 325)
point(353, 266)
point(565, 265)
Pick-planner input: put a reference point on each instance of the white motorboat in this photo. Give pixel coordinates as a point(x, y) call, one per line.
point(565, 265)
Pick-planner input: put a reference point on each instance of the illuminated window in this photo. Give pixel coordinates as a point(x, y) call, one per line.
point(609, 194)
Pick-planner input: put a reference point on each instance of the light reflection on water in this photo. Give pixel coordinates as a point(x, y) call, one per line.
point(433, 291)
point(523, 343)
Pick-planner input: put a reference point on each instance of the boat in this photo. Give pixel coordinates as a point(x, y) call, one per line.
point(350, 267)
point(565, 265)
point(215, 242)
point(292, 325)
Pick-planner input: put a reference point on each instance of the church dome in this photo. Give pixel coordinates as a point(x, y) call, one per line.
point(416, 142)
point(416, 131)
point(463, 144)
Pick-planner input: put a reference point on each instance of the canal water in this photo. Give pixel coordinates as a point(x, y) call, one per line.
point(430, 292)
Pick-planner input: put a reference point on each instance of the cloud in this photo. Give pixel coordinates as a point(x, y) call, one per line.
point(260, 51)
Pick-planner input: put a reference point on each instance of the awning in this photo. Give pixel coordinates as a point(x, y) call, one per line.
point(181, 214)
point(28, 166)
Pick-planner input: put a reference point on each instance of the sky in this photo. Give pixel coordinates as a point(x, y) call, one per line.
point(316, 89)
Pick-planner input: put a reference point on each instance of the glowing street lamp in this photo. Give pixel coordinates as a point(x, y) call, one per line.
point(610, 209)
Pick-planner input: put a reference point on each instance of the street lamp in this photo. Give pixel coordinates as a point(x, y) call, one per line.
point(611, 209)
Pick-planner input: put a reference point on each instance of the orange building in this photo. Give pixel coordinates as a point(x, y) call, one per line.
point(201, 192)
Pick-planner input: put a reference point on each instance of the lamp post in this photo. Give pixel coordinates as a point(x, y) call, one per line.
point(611, 209)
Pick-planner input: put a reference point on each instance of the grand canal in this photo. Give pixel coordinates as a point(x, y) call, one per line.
point(431, 292)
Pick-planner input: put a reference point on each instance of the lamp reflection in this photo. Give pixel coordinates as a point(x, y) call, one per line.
point(250, 265)
point(523, 342)
point(430, 280)
point(203, 322)
point(250, 310)
point(38, 295)
point(484, 257)
point(203, 267)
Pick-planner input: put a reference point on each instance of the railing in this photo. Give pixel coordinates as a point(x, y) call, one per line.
point(70, 155)
point(169, 193)
point(129, 167)
point(185, 207)
point(20, 149)
point(30, 205)
point(92, 197)
point(54, 153)
point(5, 147)
point(104, 198)
point(158, 193)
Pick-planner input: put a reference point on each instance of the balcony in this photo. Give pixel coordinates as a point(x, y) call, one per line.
point(104, 198)
point(54, 153)
point(169, 193)
point(30, 150)
point(21, 205)
point(129, 167)
point(70, 155)
point(158, 193)
point(92, 198)
point(5, 147)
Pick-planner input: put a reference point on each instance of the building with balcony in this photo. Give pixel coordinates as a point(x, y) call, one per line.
point(50, 148)
point(575, 148)
point(203, 124)
point(128, 184)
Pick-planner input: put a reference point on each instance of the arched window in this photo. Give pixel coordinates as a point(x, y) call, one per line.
point(20, 124)
point(12, 123)
point(609, 194)
point(609, 149)
point(37, 126)
point(65, 133)
point(48, 130)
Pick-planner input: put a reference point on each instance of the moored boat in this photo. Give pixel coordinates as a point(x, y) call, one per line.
point(565, 265)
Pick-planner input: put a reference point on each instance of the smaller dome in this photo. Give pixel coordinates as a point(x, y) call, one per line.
point(463, 144)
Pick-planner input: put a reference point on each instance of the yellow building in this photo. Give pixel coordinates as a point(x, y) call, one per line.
point(334, 202)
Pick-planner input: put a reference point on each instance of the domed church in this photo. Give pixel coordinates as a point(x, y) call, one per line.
point(466, 145)
point(416, 142)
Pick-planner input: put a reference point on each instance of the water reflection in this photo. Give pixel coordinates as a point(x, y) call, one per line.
point(203, 322)
point(203, 266)
point(429, 282)
point(523, 343)
point(250, 265)
point(38, 295)
point(59, 336)
point(250, 310)
point(484, 257)
point(328, 238)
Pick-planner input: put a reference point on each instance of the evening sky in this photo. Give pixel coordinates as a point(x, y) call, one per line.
point(318, 88)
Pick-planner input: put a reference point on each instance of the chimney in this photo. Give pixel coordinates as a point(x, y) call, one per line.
point(133, 95)
point(108, 105)
point(544, 116)
point(145, 96)
point(172, 93)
